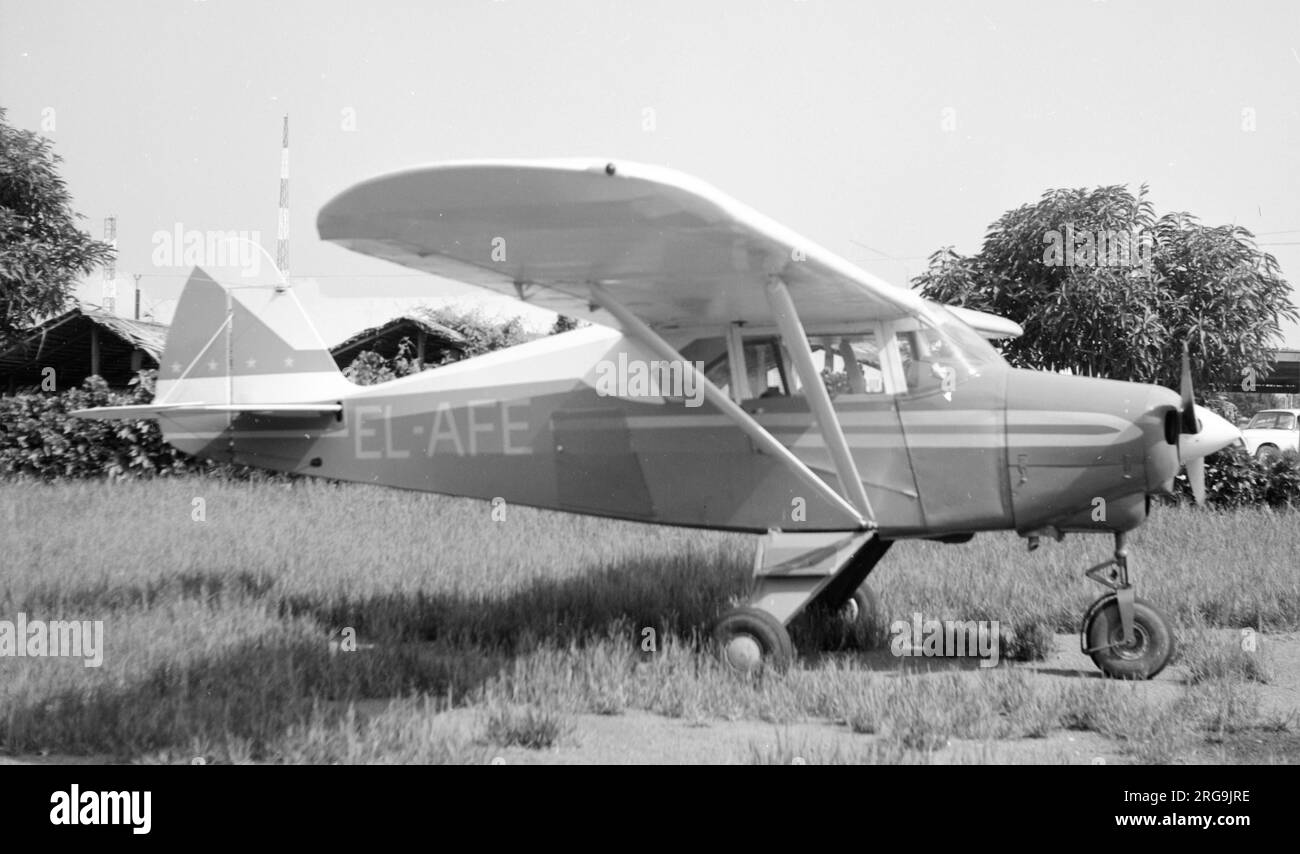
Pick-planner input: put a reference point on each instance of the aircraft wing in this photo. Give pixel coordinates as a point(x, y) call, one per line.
point(988, 325)
point(674, 251)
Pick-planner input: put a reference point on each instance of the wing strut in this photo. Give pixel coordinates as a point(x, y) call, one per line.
point(778, 297)
point(635, 326)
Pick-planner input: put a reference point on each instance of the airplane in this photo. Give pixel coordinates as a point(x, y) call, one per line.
point(735, 376)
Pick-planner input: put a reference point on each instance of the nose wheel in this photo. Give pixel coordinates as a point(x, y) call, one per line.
point(1141, 657)
point(1126, 637)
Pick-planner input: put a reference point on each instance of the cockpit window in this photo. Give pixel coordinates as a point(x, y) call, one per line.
point(765, 366)
point(849, 364)
point(939, 352)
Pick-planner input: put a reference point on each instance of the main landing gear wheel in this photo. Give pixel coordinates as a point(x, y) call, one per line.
point(854, 618)
point(751, 639)
point(1146, 655)
point(862, 608)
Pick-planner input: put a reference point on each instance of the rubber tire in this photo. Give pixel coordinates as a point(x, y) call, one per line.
point(776, 648)
point(1267, 453)
point(859, 614)
point(832, 625)
point(1152, 638)
point(865, 605)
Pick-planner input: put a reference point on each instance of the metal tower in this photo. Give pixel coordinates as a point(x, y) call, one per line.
point(282, 233)
point(108, 291)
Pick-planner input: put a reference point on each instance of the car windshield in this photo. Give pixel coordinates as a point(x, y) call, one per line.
point(1265, 421)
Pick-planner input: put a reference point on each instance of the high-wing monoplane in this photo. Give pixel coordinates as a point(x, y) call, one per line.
point(735, 376)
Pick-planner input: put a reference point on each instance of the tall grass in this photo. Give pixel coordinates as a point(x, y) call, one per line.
point(218, 631)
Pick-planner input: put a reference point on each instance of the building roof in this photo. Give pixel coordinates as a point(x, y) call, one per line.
point(66, 343)
point(387, 338)
point(1284, 376)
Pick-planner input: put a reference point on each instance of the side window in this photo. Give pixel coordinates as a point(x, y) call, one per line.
point(850, 364)
point(712, 353)
point(765, 366)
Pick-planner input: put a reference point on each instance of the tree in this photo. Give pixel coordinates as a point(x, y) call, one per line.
point(42, 252)
point(1104, 288)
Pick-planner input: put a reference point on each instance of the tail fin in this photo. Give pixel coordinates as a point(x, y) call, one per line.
point(244, 345)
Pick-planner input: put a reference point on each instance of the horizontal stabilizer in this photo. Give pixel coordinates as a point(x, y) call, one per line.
point(285, 410)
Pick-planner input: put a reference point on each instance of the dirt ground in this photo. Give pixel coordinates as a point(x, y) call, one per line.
point(636, 737)
point(641, 738)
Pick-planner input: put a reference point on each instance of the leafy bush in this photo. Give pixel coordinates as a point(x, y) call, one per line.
point(1233, 478)
point(1282, 480)
point(371, 368)
point(39, 439)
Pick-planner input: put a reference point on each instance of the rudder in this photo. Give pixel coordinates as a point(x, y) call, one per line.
point(244, 345)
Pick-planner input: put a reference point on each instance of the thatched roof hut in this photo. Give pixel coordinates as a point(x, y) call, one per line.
point(78, 343)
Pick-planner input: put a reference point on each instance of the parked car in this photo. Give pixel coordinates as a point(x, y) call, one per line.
point(1272, 432)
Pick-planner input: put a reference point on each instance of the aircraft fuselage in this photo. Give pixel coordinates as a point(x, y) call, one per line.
point(534, 425)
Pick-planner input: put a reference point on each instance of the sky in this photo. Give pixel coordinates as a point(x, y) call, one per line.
point(882, 131)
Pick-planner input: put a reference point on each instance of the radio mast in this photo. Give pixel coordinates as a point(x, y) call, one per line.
point(282, 232)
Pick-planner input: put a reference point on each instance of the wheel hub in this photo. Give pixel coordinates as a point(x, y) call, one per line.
point(743, 652)
point(1134, 650)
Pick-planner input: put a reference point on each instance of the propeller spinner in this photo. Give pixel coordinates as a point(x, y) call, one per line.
point(1201, 433)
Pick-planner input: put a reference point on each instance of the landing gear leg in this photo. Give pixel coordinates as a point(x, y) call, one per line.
point(791, 571)
point(847, 610)
point(1126, 637)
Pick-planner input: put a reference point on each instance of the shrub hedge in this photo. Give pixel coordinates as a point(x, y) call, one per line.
point(40, 440)
point(1233, 478)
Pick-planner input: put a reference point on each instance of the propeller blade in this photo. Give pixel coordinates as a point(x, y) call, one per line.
point(1189, 424)
point(1196, 478)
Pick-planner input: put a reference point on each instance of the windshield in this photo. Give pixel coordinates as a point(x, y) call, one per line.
point(961, 343)
point(1270, 421)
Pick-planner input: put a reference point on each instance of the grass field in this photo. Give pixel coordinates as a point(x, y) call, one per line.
point(225, 637)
